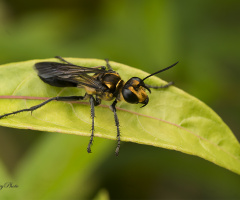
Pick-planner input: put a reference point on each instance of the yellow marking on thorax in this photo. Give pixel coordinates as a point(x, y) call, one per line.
point(89, 90)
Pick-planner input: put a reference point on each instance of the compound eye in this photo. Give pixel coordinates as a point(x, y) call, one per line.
point(129, 96)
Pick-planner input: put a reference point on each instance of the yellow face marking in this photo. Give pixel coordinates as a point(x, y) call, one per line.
point(140, 93)
point(135, 83)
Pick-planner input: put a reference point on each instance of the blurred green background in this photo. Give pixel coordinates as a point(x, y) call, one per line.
point(203, 35)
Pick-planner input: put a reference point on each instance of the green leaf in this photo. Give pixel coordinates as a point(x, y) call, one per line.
point(173, 119)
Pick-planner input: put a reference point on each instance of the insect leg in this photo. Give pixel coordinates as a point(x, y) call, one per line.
point(113, 108)
point(108, 65)
point(100, 67)
point(162, 86)
point(93, 103)
point(63, 60)
point(31, 109)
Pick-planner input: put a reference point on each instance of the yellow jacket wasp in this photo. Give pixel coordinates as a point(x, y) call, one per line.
point(100, 83)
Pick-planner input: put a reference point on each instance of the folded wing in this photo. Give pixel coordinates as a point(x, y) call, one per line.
point(65, 75)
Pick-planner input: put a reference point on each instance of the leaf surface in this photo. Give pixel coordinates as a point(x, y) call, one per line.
point(173, 119)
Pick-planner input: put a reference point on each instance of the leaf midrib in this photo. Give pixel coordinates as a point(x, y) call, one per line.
point(129, 111)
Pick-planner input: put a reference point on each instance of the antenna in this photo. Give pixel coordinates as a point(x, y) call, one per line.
point(160, 71)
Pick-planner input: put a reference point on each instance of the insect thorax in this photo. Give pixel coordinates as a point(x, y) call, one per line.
point(113, 83)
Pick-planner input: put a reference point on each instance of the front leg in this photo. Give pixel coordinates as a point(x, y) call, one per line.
point(92, 104)
point(113, 108)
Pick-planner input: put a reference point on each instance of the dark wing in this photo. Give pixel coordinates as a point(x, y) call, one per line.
point(65, 75)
